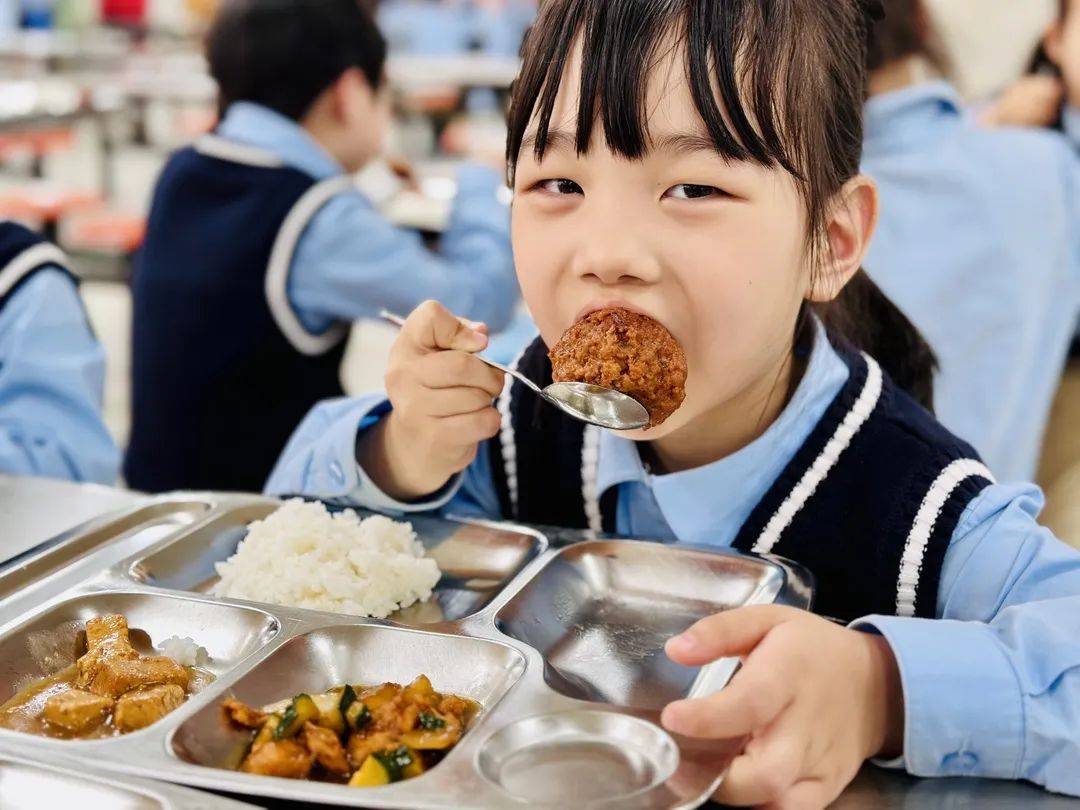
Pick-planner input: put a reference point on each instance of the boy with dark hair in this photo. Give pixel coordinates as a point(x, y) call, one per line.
point(260, 249)
point(977, 243)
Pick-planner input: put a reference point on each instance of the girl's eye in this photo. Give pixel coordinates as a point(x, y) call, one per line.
point(559, 186)
point(692, 191)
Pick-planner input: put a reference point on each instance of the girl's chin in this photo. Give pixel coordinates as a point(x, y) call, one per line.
point(652, 434)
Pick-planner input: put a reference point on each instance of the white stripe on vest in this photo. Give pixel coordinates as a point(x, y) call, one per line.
point(506, 437)
point(860, 411)
point(26, 262)
point(275, 285)
point(923, 528)
point(590, 467)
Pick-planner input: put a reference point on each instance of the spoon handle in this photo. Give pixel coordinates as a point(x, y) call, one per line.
point(398, 321)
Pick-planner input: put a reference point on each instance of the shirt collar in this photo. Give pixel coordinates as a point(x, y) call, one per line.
point(255, 125)
point(697, 502)
point(904, 116)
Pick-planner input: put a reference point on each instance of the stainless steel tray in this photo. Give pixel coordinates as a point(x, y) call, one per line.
point(562, 647)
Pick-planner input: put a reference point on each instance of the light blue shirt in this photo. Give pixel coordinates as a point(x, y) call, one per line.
point(993, 690)
point(351, 262)
point(434, 29)
point(979, 244)
point(52, 375)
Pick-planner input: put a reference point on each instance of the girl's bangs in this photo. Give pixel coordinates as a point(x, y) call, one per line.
point(739, 59)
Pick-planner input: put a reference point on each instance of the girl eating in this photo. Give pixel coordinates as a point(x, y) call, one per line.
point(697, 163)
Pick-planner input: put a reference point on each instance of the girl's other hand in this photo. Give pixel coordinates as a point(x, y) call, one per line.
point(815, 699)
point(1034, 101)
point(441, 396)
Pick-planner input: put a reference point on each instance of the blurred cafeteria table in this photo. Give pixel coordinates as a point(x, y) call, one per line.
point(34, 510)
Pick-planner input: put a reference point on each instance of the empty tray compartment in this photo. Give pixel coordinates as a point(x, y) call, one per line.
point(363, 655)
point(53, 640)
point(600, 613)
point(476, 561)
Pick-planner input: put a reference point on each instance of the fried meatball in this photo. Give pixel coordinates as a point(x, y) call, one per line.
point(626, 351)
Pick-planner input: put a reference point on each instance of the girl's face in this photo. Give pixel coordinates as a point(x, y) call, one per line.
point(713, 250)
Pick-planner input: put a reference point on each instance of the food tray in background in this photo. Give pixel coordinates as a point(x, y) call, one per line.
point(561, 646)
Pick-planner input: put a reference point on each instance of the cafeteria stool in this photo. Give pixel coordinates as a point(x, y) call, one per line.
point(46, 203)
point(39, 143)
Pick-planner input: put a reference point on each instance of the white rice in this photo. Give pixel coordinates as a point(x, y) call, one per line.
point(184, 651)
point(302, 556)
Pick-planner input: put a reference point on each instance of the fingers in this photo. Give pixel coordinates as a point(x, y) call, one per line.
point(472, 428)
point(727, 634)
point(456, 401)
point(751, 702)
point(458, 369)
point(432, 327)
point(771, 765)
point(809, 794)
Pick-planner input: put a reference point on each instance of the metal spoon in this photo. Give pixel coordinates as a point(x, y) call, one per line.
point(594, 404)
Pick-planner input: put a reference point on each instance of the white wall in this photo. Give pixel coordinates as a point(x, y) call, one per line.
point(990, 42)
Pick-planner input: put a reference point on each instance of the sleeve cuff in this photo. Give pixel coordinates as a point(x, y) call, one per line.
point(963, 704)
point(366, 493)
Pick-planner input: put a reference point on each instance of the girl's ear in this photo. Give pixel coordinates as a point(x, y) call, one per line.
point(850, 226)
point(1053, 42)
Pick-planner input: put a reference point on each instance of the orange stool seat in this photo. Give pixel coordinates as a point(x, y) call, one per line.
point(37, 141)
point(45, 202)
point(105, 231)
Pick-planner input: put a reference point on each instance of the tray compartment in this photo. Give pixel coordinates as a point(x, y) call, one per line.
point(477, 561)
point(52, 640)
point(600, 613)
point(358, 654)
point(576, 757)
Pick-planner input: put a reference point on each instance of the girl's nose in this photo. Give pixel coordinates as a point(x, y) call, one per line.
point(613, 258)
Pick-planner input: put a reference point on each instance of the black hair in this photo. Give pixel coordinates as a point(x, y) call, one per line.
point(898, 35)
point(284, 53)
point(790, 77)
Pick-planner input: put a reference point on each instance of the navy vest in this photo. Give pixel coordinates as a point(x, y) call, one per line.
point(22, 254)
point(222, 370)
point(868, 504)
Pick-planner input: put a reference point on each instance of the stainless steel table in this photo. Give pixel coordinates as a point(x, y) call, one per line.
point(33, 510)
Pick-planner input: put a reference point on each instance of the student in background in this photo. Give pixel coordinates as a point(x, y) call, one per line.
point(260, 250)
point(977, 243)
point(52, 369)
point(1050, 98)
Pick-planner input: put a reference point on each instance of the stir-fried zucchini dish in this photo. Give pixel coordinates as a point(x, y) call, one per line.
point(362, 735)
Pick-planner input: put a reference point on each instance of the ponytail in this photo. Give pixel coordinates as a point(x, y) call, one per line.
point(865, 319)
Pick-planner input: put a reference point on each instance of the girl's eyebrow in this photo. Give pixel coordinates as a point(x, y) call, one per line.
point(557, 139)
point(680, 143)
point(683, 143)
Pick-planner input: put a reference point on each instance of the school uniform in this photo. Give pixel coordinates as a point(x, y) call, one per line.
point(899, 520)
point(259, 252)
point(52, 368)
point(978, 242)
